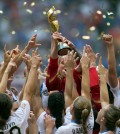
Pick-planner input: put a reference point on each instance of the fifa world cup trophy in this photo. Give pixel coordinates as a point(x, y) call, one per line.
point(54, 24)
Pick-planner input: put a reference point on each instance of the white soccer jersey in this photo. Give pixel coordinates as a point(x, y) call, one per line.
point(73, 128)
point(44, 95)
point(116, 94)
point(41, 126)
point(17, 122)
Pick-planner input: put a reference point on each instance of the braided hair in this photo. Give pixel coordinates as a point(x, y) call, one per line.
point(56, 106)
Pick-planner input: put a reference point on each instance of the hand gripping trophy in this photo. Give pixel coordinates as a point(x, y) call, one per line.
point(54, 24)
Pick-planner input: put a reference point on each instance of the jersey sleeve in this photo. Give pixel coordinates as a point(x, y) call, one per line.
point(22, 113)
point(60, 130)
point(115, 90)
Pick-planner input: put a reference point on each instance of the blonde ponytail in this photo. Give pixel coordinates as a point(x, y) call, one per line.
point(85, 114)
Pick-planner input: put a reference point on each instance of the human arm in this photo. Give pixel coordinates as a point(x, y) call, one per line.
point(7, 57)
point(85, 90)
point(32, 124)
point(104, 97)
point(49, 124)
point(112, 73)
point(3, 83)
point(30, 86)
point(74, 91)
point(31, 44)
point(69, 65)
point(52, 70)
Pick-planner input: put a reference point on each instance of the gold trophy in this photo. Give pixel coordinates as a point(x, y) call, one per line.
point(54, 24)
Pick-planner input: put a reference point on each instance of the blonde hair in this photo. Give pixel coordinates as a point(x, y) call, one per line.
point(82, 108)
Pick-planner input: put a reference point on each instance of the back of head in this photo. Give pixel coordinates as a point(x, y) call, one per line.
point(112, 117)
point(56, 106)
point(5, 109)
point(82, 108)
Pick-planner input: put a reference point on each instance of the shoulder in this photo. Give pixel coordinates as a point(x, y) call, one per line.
point(62, 130)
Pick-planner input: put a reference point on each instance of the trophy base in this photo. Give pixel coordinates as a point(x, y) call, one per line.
point(63, 49)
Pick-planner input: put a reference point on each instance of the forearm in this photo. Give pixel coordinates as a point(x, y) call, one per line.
point(2, 70)
point(78, 53)
point(30, 86)
point(33, 129)
point(3, 83)
point(54, 49)
point(48, 130)
point(22, 91)
point(74, 91)
point(85, 82)
point(112, 74)
point(69, 82)
point(104, 97)
point(20, 58)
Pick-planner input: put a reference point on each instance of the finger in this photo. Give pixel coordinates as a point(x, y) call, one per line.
point(5, 48)
point(35, 35)
point(38, 45)
point(17, 47)
point(64, 72)
point(100, 60)
point(90, 48)
point(8, 52)
point(36, 51)
point(72, 52)
point(97, 54)
point(76, 59)
point(75, 55)
point(84, 51)
point(33, 39)
point(87, 49)
point(24, 59)
point(85, 55)
point(33, 53)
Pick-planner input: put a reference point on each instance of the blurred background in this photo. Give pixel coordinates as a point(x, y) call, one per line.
point(81, 21)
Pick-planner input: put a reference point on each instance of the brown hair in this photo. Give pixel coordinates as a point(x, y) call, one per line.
point(82, 108)
point(112, 117)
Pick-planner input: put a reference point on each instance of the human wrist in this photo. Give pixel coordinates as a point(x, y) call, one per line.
point(27, 48)
point(84, 67)
point(69, 68)
point(7, 71)
point(92, 64)
point(48, 130)
point(34, 66)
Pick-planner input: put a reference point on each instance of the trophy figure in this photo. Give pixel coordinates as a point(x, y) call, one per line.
point(54, 24)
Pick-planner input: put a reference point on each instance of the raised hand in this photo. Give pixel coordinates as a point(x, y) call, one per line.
point(91, 55)
point(49, 122)
point(7, 55)
point(57, 36)
point(84, 60)
point(69, 43)
point(15, 51)
point(70, 59)
point(11, 65)
point(32, 42)
point(31, 119)
point(101, 69)
point(26, 60)
point(36, 60)
point(108, 39)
